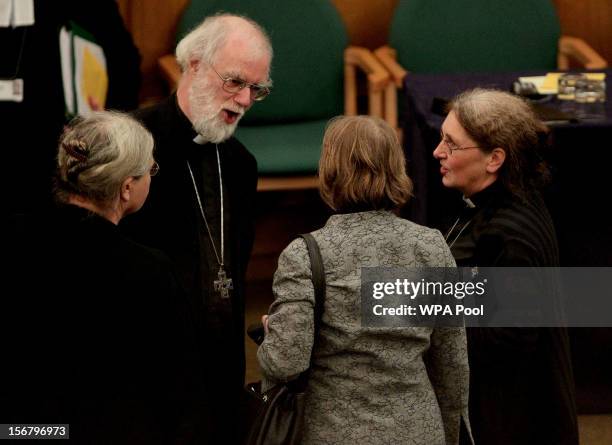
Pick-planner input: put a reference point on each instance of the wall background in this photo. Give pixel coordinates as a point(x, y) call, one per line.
point(153, 26)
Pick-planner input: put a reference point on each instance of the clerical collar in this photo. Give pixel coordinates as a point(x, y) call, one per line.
point(468, 202)
point(495, 192)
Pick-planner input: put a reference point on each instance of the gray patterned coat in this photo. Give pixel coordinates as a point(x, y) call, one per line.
point(367, 385)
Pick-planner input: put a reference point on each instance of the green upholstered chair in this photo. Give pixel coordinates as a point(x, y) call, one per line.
point(450, 36)
point(311, 83)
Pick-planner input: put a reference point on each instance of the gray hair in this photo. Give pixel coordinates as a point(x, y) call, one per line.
point(97, 153)
point(495, 118)
point(203, 42)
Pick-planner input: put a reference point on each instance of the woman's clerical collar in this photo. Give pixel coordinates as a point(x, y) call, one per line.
point(468, 202)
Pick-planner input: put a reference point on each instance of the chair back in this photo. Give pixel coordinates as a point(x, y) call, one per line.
point(308, 39)
point(446, 36)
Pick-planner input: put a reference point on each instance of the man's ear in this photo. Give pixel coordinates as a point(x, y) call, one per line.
point(126, 189)
point(194, 65)
point(496, 159)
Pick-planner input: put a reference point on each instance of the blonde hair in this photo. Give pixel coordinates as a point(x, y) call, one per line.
point(362, 165)
point(97, 153)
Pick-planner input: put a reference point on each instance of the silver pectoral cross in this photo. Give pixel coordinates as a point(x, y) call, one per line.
point(223, 284)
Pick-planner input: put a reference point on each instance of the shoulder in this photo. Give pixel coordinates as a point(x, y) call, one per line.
point(426, 234)
point(241, 165)
point(516, 217)
point(145, 254)
point(150, 267)
point(239, 153)
point(415, 234)
point(148, 114)
point(385, 236)
point(519, 232)
point(429, 246)
point(158, 117)
point(295, 252)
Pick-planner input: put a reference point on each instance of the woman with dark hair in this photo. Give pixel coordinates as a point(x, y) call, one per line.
point(367, 385)
point(521, 383)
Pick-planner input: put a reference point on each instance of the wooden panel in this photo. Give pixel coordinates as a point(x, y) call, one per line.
point(367, 21)
point(153, 26)
point(590, 20)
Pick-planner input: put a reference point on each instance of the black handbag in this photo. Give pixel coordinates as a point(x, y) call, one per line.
point(276, 417)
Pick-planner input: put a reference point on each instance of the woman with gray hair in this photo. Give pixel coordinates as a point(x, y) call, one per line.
point(367, 385)
point(521, 385)
point(105, 315)
point(105, 165)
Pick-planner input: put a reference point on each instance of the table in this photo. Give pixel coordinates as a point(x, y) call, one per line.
point(580, 156)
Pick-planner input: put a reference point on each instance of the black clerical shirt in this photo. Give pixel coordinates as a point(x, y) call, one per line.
point(171, 221)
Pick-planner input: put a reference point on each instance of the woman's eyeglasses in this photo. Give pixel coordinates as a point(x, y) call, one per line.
point(450, 146)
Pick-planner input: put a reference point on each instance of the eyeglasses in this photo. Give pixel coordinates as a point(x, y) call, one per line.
point(451, 146)
point(233, 85)
point(154, 169)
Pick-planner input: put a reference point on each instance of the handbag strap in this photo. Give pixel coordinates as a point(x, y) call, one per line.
point(318, 281)
point(318, 277)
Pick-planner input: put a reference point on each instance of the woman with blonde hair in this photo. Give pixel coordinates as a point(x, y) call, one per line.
point(366, 385)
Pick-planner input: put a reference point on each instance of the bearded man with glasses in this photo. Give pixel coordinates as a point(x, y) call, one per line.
point(200, 211)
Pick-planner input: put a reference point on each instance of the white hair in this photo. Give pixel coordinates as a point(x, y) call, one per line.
point(203, 42)
point(205, 113)
point(97, 153)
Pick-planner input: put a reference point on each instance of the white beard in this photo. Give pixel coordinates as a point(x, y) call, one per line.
point(206, 118)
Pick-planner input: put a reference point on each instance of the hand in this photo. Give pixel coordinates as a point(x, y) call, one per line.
point(264, 321)
point(93, 104)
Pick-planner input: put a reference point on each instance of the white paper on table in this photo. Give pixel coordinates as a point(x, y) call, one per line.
point(538, 82)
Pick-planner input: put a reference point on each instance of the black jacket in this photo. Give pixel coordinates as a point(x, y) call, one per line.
point(521, 381)
point(102, 333)
point(171, 221)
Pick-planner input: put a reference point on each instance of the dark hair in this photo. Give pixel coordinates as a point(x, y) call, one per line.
point(362, 165)
point(494, 119)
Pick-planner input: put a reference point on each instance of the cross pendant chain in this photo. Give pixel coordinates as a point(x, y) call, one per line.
point(223, 284)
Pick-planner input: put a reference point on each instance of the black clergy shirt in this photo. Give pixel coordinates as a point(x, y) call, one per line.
point(171, 221)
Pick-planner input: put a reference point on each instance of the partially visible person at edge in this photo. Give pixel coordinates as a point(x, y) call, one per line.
point(366, 385)
point(207, 228)
point(31, 53)
point(102, 332)
point(521, 382)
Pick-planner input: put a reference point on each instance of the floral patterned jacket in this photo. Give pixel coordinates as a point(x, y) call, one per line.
point(367, 385)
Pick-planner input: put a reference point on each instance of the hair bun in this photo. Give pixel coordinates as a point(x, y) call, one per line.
point(77, 149)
